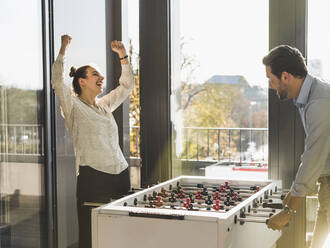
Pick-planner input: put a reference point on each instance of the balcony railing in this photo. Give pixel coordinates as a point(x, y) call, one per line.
point(198, 143)
point(217, 144)
point(225, 144)
point(21, 139)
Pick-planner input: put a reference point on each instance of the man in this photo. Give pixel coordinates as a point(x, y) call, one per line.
point(287, 73)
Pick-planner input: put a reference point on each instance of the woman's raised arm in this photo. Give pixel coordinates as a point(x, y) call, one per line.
point(62, 91)
point(126, 80)
point(66, 39)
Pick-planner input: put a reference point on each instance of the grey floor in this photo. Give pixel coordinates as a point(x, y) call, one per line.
point(26, 225)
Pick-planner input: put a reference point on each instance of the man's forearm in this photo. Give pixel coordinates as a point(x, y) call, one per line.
point(294, 202)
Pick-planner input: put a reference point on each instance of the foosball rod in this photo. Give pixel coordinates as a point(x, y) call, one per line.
point(263, 210)
point(281, 191)
point(259, 215)
point(212, 193)
point(200, 202)
point(214, 190)
point(177, 204)
point(183, 208)
point(281, 197)
point(272, 205)
point(253, 220)
point(219, 185)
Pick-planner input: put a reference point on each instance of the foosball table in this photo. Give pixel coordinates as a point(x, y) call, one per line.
point(190, 212)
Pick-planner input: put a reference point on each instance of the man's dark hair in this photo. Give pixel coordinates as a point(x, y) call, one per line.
point(285, 58)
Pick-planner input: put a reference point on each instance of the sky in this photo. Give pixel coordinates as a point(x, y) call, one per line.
point(225, 37)
point(220, 48)
point(318, 37)
point(231, 37)
point(20, 53)
point(21, 46)
point(87, 29)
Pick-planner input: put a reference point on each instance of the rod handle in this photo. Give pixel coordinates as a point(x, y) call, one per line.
point(272, 205)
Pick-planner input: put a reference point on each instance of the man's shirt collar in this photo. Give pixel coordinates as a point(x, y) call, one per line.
point(302, 98)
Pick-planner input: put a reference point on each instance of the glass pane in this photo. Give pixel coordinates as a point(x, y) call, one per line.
point(23, 219)
point(85, 22)
point(318, 63)
point(318, 50)
point(134, 111)
point(220, 91)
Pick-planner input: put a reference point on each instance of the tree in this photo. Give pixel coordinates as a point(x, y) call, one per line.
point(188, 68)
point(205, 105)
point(212, 108)
point(134, 107)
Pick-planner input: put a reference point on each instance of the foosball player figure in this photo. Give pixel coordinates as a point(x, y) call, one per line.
point(191, 198)
point(151, 205)
point(216, 196)
point(227, 201)
point(222, 189)
point(255, 188)
point(163, 192)
point(217, 206)
point(181, 194)
point(159, 202)
point(150, 197)
point(199, 195)
point(235, 197)
point(231, 192)
point(200, 185)
point(172, 198)
point(205, 193)
point(209, 201)
point(187, 203)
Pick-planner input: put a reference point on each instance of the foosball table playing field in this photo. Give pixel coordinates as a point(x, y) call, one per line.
point(191, 212)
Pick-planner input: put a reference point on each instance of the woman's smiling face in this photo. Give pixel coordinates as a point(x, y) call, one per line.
point(93, 82)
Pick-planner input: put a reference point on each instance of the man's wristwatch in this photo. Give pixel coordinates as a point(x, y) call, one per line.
point(288, 210)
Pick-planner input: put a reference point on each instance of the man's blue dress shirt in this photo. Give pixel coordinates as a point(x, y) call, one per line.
point(313, 103)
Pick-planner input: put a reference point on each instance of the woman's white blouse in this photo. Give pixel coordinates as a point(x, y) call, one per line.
point(94, 130)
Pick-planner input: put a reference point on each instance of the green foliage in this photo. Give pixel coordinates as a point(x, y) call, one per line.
point(134, 107)
point(220, 106)
point(134, 114)
point(213, 106)
point(23, 106)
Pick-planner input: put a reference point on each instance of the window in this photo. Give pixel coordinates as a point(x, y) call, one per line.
point(133, 51)
point(318, 62)
point(220, 91)
point(23, 213)
point(85, 22)
point(318, 51)
point(134, 108)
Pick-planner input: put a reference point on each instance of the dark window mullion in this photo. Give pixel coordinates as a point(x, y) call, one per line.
point(49, 120)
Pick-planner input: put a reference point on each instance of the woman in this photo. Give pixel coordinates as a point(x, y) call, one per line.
point(100, 165)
